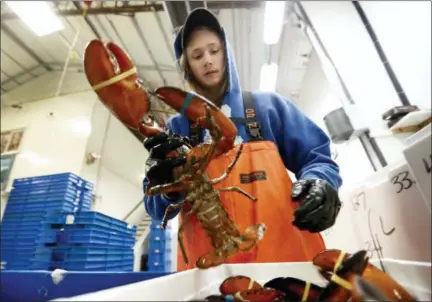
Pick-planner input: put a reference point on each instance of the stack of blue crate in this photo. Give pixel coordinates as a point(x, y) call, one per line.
point(29, 202)
point(91, 242)
point(159, 252)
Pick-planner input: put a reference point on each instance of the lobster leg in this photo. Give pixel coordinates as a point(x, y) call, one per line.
point(169, 209)
point(229, 169)
point(238, 190)
point(176, 186)
point(180, 237)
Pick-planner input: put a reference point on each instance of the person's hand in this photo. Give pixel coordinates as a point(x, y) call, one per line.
point(159, 167)
point(319, 205)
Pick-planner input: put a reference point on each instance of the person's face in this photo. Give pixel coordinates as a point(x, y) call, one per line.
point(205, 57)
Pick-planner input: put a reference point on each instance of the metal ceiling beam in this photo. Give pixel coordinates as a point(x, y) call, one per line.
point(77, 4)
point(147, 47)
point(9, 77)
point(143, 67)
point(57, 65)
point(16, 62)
point(129, 10)
point(14, 37)
point(15, 77)
point(177, 10)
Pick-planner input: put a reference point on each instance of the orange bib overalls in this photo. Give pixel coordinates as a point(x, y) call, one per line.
point(260, 172)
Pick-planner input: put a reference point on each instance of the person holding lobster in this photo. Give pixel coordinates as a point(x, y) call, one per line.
point(276, 138)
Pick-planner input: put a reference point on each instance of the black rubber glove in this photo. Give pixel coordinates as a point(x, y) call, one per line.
point(319, 205)
point(159, 168)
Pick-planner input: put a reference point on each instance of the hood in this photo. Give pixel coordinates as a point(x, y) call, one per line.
point(233, 95)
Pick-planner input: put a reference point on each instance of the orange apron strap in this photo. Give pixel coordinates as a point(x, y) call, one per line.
point(253, 126)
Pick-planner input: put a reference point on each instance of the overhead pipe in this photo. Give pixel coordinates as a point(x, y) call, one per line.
point(365, 139)
point(393, 78)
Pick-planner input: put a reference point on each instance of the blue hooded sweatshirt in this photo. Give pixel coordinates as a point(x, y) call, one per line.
point(303, 146)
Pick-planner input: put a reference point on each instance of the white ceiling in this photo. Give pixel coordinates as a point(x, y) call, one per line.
point(151, 49)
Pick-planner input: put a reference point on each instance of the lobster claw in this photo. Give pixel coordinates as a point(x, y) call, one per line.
point(329, 260)
point(194, 107)
point(113, 77)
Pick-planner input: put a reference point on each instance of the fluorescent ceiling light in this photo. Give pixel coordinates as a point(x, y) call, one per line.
point(269, 73)
point(273, 21)
point(37, 15)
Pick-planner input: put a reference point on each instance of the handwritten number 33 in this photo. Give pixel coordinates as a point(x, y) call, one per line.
point(402, 181)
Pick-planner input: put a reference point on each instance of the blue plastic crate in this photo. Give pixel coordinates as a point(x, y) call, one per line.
point(85, 265)
point(80, 253)
point(53, 178)
point(60, 205)
point(159, 244)
point(86, 237)
point(112, 229)
point(56, 187)
point(18, 244)
point(54, 197)
point(18, 235)
point(155, 266)
point(18, 249)
point(10, 254)
point(58, 217)
point(19, 216)
point(11, 226)
point(85, 206)
point(19, 265)
point(157, 226)
point(11, 258)
point(42, 257)
point(159, 257)
point(159, 234)
point(91, 217)
point(166, 248)
point(72, 230)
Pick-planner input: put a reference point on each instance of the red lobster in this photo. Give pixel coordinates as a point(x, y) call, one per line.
point(352, 278)
point(113, 77)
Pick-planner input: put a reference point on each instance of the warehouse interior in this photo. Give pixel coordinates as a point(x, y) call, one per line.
point(360, 70)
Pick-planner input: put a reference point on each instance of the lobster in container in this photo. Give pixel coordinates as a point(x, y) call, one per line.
point(113, 77)
point(350, 278)
point(329, 261)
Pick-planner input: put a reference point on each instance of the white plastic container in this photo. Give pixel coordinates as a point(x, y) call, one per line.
point(198, 284)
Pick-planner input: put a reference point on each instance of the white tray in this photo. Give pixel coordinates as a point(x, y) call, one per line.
point(198, 284)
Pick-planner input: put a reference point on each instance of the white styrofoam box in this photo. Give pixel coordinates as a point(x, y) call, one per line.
point(414, 118)
point(345, 234)
point(386, 215)
point(419, 157)
point(197, 284)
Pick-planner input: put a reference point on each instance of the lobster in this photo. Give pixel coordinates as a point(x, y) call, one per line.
point(329, 260)
point(348, 282)
point(113, 77)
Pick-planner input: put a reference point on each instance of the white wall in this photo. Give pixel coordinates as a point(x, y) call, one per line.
point(405, 35)
point(119, 173)
point(344, 36)
point(317, 99)
point(59, 142)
